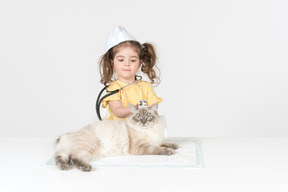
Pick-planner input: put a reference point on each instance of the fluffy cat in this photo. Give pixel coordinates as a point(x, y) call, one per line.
point(140, 134)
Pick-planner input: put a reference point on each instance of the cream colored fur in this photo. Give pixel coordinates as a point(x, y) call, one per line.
point(106, 138)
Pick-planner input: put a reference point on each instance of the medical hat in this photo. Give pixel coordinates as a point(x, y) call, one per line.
point(118, 35)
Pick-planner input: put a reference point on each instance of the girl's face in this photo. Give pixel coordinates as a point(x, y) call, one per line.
point(126, 64)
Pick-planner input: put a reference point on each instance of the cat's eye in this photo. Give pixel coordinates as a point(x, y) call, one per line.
point(148, 117)
point(138, 117)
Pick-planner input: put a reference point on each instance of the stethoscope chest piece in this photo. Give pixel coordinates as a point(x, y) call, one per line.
point(142, 103)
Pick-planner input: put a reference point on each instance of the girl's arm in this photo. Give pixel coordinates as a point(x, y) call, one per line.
point(118, 110)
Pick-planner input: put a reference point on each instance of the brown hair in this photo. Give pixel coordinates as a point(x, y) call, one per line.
point(147, 55)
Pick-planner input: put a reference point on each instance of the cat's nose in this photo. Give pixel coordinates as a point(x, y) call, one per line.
point(143, 121)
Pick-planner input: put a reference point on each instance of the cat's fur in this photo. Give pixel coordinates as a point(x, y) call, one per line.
point(140, 134)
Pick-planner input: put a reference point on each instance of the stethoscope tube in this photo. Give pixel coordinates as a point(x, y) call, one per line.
point(98, 101)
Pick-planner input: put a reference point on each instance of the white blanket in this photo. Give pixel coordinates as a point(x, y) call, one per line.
point(188, 155)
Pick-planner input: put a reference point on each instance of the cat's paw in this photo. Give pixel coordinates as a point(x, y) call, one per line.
point(174, 146)
point(85, 168)
point(82, 165)
point(63, 165)
point(170, 145)
point(169, 151)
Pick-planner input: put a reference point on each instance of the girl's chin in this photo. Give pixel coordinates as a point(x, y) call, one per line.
point(126, 79)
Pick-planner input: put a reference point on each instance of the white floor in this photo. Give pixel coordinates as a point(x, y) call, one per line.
point(230, 164)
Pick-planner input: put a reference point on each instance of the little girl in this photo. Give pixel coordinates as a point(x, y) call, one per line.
point(124, 55)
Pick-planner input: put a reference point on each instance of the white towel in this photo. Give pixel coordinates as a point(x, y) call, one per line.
point(187, 155)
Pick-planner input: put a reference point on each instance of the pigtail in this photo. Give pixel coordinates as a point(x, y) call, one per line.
point(106, 68)
point(149, 58)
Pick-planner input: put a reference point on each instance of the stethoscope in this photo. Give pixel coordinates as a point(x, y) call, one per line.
point(98, 101)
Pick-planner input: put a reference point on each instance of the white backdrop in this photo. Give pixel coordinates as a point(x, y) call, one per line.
point(223, 63)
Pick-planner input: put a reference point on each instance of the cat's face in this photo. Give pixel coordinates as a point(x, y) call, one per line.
point(143, 117)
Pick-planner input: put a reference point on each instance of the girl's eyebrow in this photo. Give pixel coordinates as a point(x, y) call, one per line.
point(124, 56)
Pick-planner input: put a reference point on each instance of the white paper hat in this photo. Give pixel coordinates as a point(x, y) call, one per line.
point(118, 35)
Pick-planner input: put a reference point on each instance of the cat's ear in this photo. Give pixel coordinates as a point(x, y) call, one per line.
point(154, 107)
point(132, 108)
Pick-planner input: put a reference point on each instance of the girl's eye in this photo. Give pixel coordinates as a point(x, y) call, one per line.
point(120, 60)
point(133, 60)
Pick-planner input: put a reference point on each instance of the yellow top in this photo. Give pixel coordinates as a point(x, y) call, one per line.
point(141, 90)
